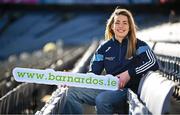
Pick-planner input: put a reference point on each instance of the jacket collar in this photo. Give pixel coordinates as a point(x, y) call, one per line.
point(124, 41)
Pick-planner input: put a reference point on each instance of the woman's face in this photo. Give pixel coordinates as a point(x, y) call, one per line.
point(120, 26)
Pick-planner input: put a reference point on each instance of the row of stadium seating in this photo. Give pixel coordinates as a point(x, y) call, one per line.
point(26, 98)
point(34, 30)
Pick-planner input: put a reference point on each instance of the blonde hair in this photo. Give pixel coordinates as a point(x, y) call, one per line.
point(132, 30)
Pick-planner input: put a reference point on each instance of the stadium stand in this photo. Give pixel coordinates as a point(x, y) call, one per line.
point(24, 34)
point(45, 27)
point(28, 96)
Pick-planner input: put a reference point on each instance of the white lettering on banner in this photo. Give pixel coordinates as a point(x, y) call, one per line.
point(51, 77)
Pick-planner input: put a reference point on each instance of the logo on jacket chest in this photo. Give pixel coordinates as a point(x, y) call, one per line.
point(109, 55)
point(109, 58)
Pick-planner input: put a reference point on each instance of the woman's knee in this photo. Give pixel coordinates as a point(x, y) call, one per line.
point(70, 96)
point(100, 99)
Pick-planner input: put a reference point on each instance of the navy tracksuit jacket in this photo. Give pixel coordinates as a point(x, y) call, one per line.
point(111, 57)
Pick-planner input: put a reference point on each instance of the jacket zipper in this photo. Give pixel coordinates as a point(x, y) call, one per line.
point(120, 52)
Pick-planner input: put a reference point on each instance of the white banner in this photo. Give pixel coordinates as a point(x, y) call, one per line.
point(51, 77)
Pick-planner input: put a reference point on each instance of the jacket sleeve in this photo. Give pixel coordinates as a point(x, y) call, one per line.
point(144, 61)
point(97, 61)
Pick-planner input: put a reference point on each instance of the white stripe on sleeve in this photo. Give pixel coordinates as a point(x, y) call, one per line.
point(148, 64)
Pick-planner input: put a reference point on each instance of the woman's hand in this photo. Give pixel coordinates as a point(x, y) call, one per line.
point(63, 86)
point(123, 79)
